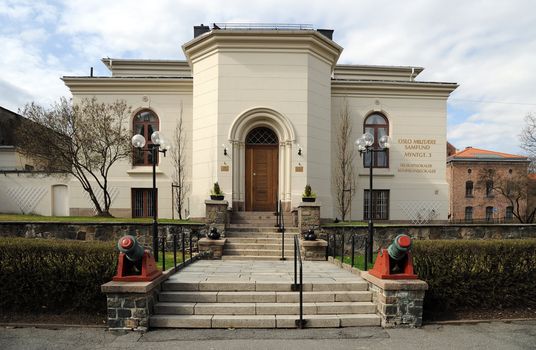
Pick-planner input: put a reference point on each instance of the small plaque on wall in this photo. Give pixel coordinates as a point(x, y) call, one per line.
point(299, 169)
point(224, 168)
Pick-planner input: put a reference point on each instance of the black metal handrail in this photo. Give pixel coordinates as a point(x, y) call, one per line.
point(191, 249)
point(298, 286)
point(281, 227)
point(331, 249)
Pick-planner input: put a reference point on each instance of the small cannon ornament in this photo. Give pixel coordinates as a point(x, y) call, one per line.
point(135, 263)
point(395, 262)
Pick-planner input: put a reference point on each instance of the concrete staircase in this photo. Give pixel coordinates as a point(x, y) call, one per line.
point(253, 236)
point(261, 302)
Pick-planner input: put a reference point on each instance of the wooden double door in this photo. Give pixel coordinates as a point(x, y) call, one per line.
point(261, 177)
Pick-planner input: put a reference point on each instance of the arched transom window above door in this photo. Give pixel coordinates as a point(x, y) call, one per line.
point(377, 125)
point(261, 136)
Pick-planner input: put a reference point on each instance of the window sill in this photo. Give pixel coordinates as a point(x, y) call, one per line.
point(143, 170)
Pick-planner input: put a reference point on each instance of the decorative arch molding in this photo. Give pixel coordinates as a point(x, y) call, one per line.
point(261, 116)
point(240, 127)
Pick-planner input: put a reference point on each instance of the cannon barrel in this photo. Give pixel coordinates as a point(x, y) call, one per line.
point(130, 246)
point(400, 246)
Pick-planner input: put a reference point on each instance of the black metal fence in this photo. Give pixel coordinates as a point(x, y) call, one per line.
point(349, 248)
point(183, 244)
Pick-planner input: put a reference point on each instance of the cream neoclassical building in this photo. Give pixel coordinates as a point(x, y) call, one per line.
point(260, 109)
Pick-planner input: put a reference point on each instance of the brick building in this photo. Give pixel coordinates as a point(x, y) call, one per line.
point(476, 177)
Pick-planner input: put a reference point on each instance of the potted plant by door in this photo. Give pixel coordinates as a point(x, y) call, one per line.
point(308, 195)
point(216, 194)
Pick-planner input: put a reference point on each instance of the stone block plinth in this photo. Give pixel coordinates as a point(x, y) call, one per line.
point(308, 216)
point(399, 302)
point(214, 247)
point(313, 250)
point(130, 304)
point(216, 214)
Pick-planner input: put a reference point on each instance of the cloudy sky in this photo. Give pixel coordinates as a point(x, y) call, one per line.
point(488, 47)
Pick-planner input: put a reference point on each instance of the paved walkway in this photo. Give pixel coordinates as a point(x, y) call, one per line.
point(262, 272)
point(486, 336)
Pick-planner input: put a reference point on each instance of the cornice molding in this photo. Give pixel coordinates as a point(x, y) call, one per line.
point(391, 88)
point(128, 85)
point(258, 41)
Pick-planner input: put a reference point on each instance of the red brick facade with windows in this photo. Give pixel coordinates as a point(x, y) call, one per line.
point(477, 205)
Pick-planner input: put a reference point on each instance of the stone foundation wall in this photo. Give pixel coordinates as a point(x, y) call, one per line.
point(130, 311)
point(383, 236)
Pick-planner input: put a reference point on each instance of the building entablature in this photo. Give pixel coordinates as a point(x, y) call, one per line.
point(147, 67)
point(391, 88)
point(103, 85)
point(371, 72)
point(259, 40)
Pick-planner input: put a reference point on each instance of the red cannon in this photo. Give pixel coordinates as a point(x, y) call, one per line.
point(135, 263)
point(395, 262)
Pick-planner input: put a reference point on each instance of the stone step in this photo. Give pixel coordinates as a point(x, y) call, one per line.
point(263, 321)
point(263, 297)
point(267, 228)
point(260, 240)
point(258, 252)
point(258, 234)
point(269, 246)
point(245, 286)
point(254, 257)
point(316, 308)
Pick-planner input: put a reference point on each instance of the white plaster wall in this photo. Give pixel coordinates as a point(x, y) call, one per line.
point(412, 118)
point(28, 193)
point(123, 175)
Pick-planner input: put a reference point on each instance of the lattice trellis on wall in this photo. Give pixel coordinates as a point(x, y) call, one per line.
point(113, 191)
point(421, 212)
point(26, 197)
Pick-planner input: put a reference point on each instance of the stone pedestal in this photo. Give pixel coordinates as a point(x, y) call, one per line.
point(213, 246)
point(399, 302)
point(130, 304)
point(216, 214)
point(313, 250)
point(308, 216)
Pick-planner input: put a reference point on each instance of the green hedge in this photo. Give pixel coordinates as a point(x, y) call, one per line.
point(477, 274)
point(54, 275)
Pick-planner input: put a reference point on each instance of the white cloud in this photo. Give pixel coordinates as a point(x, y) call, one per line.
point(489, 48)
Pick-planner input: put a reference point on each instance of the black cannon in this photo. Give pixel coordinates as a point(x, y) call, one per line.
point(135, 263)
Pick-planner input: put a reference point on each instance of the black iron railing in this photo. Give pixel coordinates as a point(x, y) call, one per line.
point(298, 286)
point(281, 227)
point(337, 245)
point(191, 250)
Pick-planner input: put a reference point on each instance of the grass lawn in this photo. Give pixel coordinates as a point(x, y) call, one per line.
point(86, 219)
point(359, 261)
point(169, 259)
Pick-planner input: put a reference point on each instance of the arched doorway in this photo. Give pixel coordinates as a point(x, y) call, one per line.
point(262, 159)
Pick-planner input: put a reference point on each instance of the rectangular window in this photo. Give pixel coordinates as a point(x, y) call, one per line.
point(468, 213)
point(489, 214)
point(142, 202)
point(489, 188)
point(469, 189)
point(380, 205)
point(509, 215)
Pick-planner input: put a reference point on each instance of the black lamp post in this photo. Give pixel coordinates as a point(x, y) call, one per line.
point(365, 146)
point(159, 145)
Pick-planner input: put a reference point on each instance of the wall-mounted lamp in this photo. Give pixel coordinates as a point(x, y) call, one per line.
point(224, 150)
point(299, 150)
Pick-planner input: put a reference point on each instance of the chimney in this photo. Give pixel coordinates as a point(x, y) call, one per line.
point(328, 33)
point(199, 30)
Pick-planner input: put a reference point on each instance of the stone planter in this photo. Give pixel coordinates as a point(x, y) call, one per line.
point(213, 246)
point(308, 199)
point(313, 250)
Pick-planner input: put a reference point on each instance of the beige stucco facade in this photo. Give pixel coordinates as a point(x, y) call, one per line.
point(288, 81)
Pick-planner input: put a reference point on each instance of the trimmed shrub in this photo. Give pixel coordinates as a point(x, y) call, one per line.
point(54, 275)
point(477, 274)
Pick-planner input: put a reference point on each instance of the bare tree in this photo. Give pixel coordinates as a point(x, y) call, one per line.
point(178, 155)
point(513, 187)
point(84, 140)
point(528, 140)
point(344, 168)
